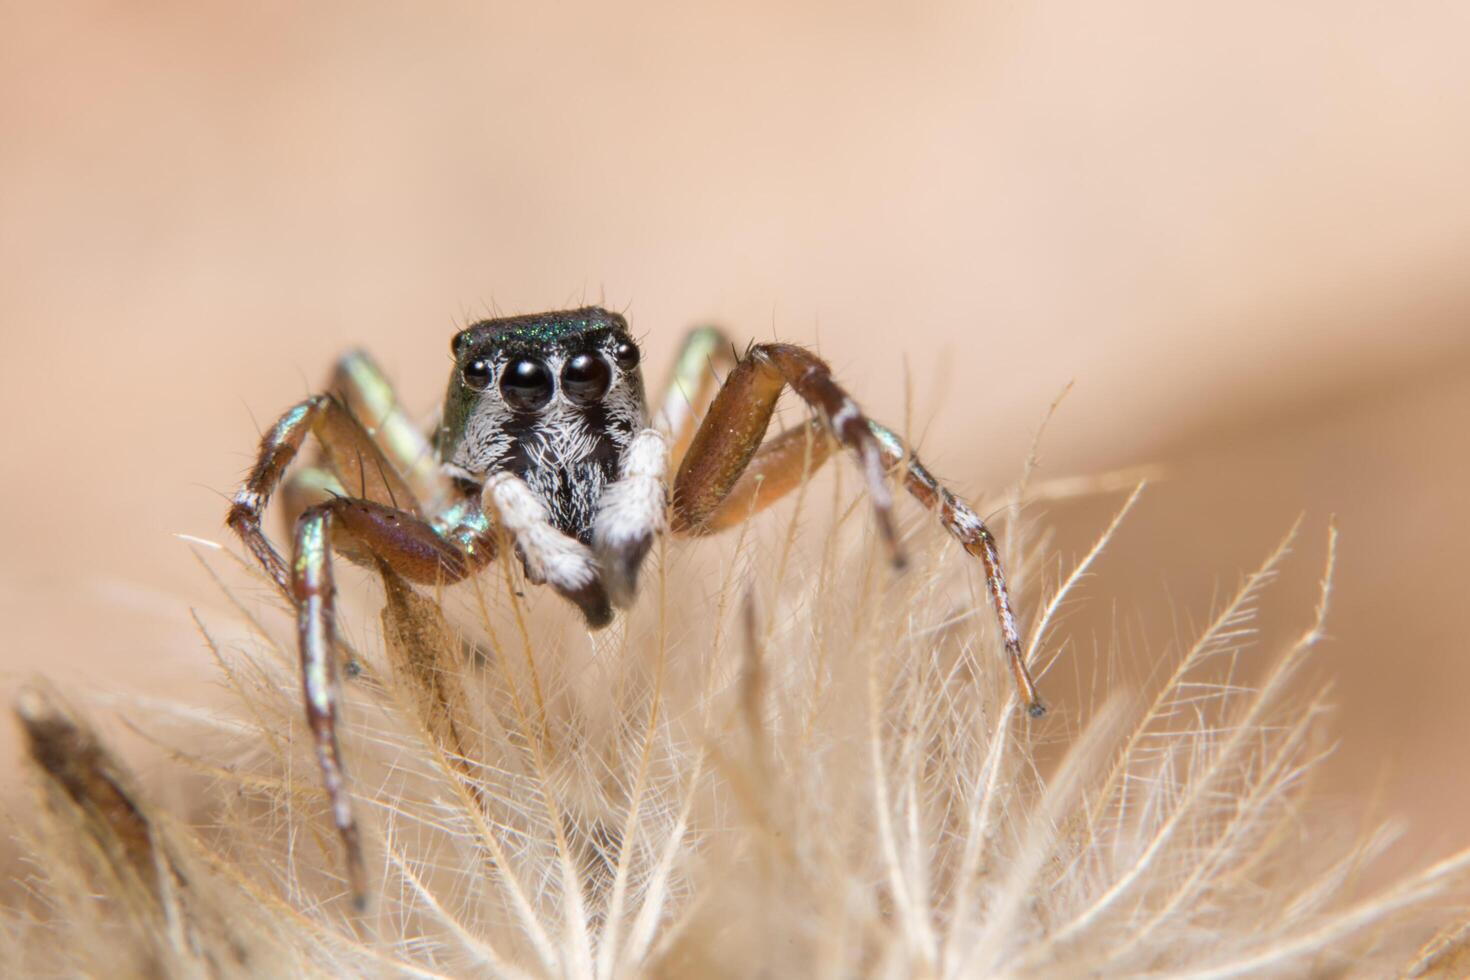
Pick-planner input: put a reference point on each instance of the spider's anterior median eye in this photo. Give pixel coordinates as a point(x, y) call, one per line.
point(626, 354)
point(526, 385)
point(585, 378)
point(477, 374)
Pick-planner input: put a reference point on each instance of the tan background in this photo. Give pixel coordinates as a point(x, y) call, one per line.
point(1242, 228)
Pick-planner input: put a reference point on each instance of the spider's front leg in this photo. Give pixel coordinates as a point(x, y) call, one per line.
point(707, 490)
point(382, 527)
point(370, 450)
point(728, 474)
point(961, 521)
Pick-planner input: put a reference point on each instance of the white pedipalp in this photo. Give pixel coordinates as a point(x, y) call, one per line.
point(549, 555)
point(632, 512)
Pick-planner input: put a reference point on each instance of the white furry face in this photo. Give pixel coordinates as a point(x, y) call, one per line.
point(553, 398)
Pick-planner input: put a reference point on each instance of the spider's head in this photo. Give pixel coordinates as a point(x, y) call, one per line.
point(539, 376)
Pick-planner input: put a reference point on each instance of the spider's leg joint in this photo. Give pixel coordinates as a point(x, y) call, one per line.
point(245, 499)
point(848, 413)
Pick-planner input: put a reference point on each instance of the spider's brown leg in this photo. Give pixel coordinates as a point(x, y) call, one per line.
point(354, 458)
point(348, 469)
point(691, 386)
point(363, 529)
point(967, 527)
point(305, 486)
point(737, 420)
point(776, 469)
point(724, 478)
point(277, 448)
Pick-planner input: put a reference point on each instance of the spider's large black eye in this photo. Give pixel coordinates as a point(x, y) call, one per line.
point(585, 378)
point(626, 354)
point(477, 374)
point(526, 385)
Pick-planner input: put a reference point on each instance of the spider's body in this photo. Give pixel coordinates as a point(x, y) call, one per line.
point(545, 443)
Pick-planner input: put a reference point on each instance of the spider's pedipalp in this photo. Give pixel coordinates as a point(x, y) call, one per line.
point(632, 512)
point(549, 556)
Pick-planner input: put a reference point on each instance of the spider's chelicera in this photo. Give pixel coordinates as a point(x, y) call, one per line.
point(545, 442)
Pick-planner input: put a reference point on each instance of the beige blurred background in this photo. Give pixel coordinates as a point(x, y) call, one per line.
point(1242, 228)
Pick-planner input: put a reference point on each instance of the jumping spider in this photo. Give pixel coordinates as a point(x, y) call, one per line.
point(545, 438)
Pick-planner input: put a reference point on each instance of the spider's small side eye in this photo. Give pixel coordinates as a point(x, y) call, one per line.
point(526, 385)
point(626, 354)
point(477, 374)
point(585, 378)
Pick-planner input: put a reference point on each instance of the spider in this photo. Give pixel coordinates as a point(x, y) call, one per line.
point(545, 442)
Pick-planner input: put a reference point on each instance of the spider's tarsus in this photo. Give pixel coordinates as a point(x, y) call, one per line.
point(357, 877)
point(1025, 685)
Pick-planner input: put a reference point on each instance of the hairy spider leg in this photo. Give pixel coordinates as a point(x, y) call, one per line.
point(967, 527)
point(402, 449)
point(776, 468)
point(351, 454)
point(724, 479)
point(736, 423)
point(366, 448)
point(403, 543)
point(382, 526)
